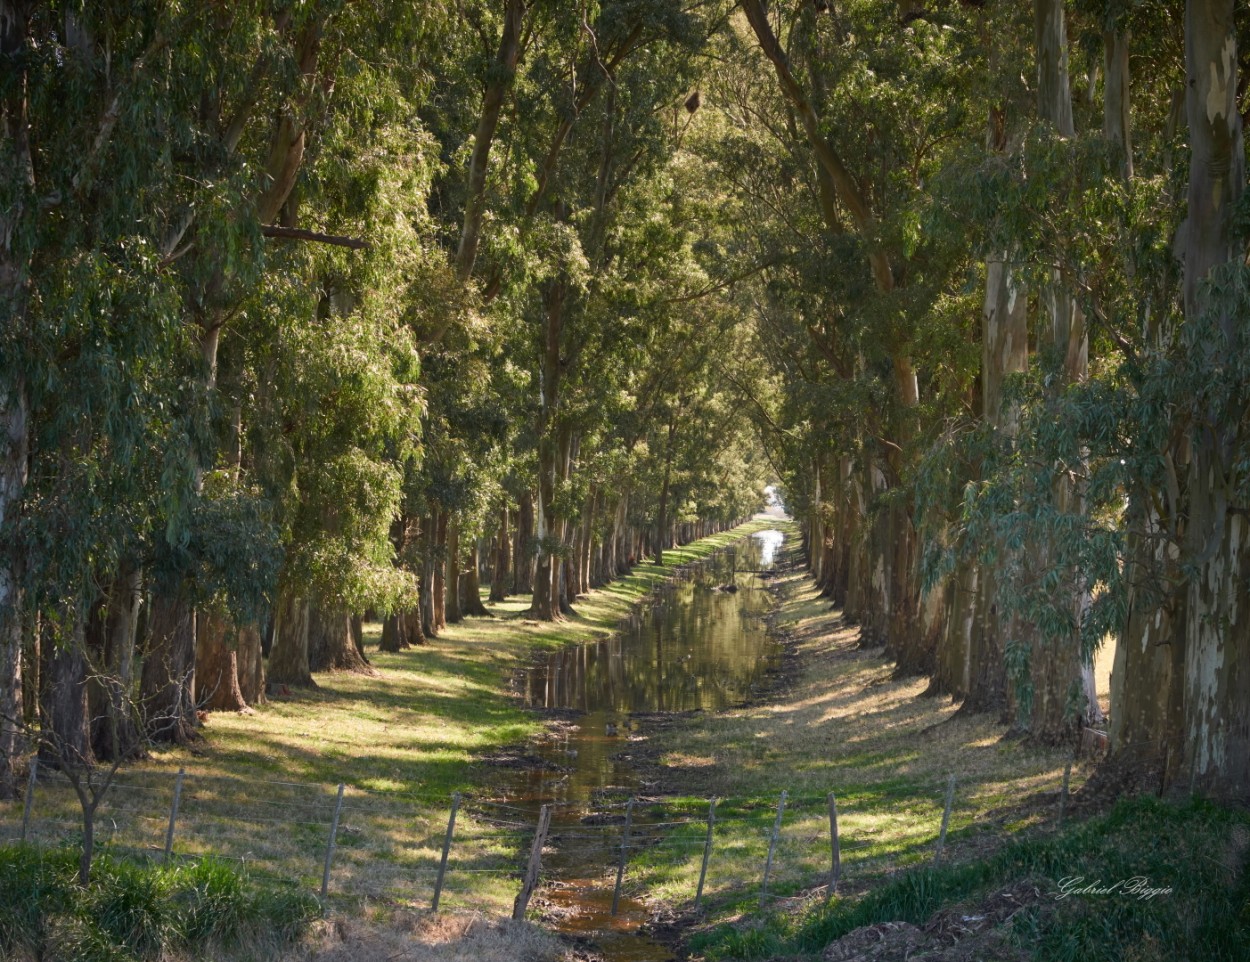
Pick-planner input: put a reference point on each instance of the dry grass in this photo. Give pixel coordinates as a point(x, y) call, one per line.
point(419, 937)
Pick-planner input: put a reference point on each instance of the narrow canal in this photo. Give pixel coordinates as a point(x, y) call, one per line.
point(700, 644)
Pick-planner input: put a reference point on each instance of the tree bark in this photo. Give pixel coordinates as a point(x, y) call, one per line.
point(440, 573)
point(14, 402)
point(429, 624)
point(503, 559)
point(251, 664)
point(499, 80)
point(523, 552)
point(471, 584)
point(168, 682)
point(331, 645)
point(453, 567)
point(1217, 626)
point(217, 665)
point(288, 658)
point(65, 725)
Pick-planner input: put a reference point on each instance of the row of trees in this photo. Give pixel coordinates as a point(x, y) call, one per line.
point(314, 309)
point(1003, 348)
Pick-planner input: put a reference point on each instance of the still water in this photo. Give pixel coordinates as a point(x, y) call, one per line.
point(699, 644)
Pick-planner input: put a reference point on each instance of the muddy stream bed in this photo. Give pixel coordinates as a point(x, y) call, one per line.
point(699, 644)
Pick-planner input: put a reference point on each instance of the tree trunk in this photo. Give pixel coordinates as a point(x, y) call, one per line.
point(503, 559)
point(65, 728)
point(439, 612)
point(500, 79)
point(523, 551)
point(471, 584)
point(1217, 614)
point(217, 665)
point(168, 681)
point(288, 658)
point(1055, 671)
point(14, 398)
point(331, 644)
point(429, 623)
point(251, 664)
point(453, 567)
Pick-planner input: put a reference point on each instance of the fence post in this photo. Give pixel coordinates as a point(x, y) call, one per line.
point(946, 818)
point(1063, 795)
point(442, 865)
point(772, 846)
point(835, 868)
point(334, 832)
point(30, 794)
point(535, 865)
point(707, 851)
point(173, 813)
point(620, 868)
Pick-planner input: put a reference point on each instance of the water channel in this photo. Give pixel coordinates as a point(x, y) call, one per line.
point(699, 644)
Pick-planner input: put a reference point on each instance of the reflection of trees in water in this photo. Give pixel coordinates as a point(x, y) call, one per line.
point(698, 648)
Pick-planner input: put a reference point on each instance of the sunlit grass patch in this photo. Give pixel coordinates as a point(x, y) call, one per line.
point(261, 787)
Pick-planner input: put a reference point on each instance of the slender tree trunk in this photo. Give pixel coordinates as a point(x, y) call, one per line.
point(503, 559)
point(14, 398)
point(471, 584)
point(429, 623)
point(523, 551)
point(440, 572)
point(453, 566)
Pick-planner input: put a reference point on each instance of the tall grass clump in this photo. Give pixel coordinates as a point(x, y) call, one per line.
point(135, 911)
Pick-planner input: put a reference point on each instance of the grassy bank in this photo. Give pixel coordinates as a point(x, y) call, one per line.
point(1151, 881)
point(839, 722)
point(261, 786)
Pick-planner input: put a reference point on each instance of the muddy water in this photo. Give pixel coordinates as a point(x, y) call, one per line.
point(695, 646)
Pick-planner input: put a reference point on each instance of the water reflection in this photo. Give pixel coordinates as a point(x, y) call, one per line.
point(700, 644)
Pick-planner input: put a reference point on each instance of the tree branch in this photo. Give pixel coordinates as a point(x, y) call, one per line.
point(299, 233)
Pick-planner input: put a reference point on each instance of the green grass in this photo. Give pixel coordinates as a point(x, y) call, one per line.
point(260, 787)
point(842, 724)
point(1196, 849)
point(135, 910)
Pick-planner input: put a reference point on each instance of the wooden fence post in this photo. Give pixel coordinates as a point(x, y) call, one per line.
point(173, 813)
point(334, 833)
point(620, 868)
point(442, 864)
point(530, 882)
point(946, 818)
point(707, 851)
point(835, 868)
point(30, 795)
point(772, 846)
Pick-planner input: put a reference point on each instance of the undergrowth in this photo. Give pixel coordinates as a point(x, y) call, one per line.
point(135, 911)
point(1196, 852)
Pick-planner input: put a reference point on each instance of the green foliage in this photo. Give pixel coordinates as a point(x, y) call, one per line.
point(134, 911)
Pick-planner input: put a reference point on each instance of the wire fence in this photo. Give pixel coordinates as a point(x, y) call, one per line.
point(468, 851)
